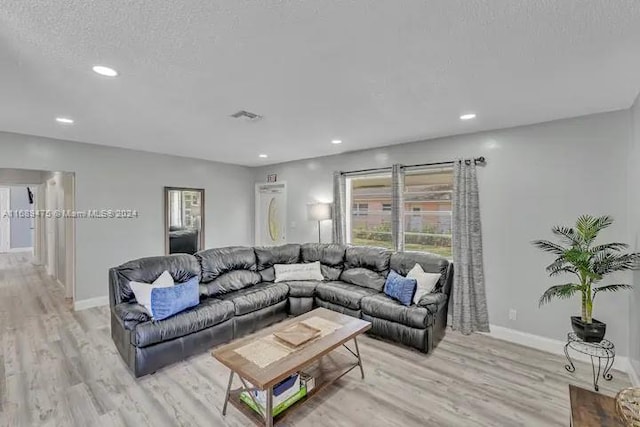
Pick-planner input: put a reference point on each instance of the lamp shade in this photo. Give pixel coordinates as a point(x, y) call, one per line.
point(318, 211)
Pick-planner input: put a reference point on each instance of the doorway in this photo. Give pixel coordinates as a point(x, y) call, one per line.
point(271, 214)
point(47, 197)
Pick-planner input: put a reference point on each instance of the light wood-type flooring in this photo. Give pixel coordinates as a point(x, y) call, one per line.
point(59, 368)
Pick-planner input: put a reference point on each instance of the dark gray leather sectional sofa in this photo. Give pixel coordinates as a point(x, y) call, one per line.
point(239, 296)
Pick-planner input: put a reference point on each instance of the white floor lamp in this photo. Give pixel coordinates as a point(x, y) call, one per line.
point(318, 212)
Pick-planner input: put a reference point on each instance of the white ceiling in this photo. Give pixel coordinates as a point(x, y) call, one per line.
point(368, 72)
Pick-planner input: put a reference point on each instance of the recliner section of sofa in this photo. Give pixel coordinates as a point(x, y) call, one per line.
point(233, 275)
point(239, 296)
point(422, 325)
point(365, 271)
point(331, 258)
point(147, 345)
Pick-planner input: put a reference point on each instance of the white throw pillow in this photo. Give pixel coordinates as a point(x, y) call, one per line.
point(142, 291)
point(427, 282)
point(307, 271)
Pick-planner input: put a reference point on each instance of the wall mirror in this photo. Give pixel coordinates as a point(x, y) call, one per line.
point(183, 220)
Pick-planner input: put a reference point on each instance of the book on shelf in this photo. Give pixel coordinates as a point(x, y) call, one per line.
point(277, 409)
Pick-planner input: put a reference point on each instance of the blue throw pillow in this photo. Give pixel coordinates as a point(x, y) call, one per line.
point(165, 302)
point(400, 288)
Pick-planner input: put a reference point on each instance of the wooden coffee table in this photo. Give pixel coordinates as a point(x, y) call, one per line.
point(310, 357)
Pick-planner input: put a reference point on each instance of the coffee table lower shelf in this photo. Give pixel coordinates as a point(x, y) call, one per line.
point(326, 371)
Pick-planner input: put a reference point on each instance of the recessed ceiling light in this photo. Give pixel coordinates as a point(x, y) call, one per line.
point(64, 120)
point(468, 116)
point(105, 71)
point(262, 156)
point(336, 141)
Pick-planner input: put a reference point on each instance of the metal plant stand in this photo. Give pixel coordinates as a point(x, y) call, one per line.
point(603, 351)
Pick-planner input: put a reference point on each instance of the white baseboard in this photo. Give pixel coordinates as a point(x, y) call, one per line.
point(553, 346)
point(90, 303)
point(633, 374)
point(21, 250)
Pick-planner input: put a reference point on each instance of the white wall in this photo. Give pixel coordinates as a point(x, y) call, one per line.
point(634, 236)
point(21, 176)
point(114, 178)
point(536, 176)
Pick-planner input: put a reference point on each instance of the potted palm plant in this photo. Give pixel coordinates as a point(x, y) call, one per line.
point(578, 255)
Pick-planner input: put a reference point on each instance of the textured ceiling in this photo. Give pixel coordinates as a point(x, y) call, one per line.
point(368, 72)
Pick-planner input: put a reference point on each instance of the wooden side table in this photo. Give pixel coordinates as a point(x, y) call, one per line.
point(591, 409)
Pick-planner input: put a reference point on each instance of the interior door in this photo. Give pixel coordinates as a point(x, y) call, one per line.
point(5, 222)
point(271, 214)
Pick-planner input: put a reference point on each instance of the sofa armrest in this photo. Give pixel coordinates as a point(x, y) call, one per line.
point(433, 302)
point(130, 312)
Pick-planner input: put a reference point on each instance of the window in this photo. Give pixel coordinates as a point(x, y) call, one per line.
point(369, 222)
point(360, 209)
point(427, 212)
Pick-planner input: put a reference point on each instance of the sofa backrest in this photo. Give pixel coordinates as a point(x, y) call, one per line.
point(403, 262)
point(366, 266)
point(267, 256)
point(227, 269)
point(182, 267)
point(330, 255)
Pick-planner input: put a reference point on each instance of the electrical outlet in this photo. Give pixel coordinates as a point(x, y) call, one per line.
point(513, 314)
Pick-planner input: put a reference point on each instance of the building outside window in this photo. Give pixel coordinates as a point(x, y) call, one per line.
point(370, 227)
point(428, 212)
point(360, 209)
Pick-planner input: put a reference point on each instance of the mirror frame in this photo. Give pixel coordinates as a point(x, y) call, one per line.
point(166, 216)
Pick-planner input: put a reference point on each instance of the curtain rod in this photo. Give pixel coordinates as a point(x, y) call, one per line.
point(477, 160)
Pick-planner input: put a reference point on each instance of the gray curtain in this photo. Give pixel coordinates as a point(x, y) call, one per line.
point(339, 208)
point(397, 207)
point(469, 297)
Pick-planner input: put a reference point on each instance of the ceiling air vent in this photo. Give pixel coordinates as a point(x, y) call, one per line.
point(247, 115)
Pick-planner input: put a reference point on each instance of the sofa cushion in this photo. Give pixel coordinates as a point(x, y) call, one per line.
point(385, 307)
point(363, 277)
point(343, 294)
point(330, 255)
point(182, 267)
point(426, 283)
point(216, 262)
point(403, 262)
point(400, 288)
point(302, 288)
point(366, 266)
point(257, 297)
point(142, 291)
point(372, 258)
point(298, 271)
point(167, 302)
point(267, 256)
point(227, 269)
point(229, 282)
point(208, 313)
